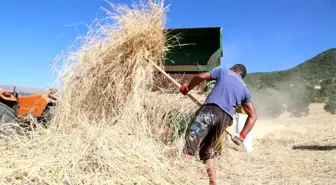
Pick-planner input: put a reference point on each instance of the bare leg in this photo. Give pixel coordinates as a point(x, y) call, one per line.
point(211, 169)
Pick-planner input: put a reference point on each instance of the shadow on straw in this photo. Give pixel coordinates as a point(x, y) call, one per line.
point(314, 147)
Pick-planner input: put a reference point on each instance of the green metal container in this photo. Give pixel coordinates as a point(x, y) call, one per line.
point(195, 50)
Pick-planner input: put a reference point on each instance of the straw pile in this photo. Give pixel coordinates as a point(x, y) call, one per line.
point(111, 75)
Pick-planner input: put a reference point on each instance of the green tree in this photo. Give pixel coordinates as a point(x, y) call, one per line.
point(330, 105)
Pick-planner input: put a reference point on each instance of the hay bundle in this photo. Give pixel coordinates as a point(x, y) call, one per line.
point(109, 78)
point(111, 74)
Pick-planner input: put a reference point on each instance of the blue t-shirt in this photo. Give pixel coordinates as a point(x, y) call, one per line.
point(229, 92)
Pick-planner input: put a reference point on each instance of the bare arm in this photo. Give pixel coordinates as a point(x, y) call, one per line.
point(198, 79)
point(252, 117)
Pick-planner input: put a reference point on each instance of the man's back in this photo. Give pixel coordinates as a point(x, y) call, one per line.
point(230, 90)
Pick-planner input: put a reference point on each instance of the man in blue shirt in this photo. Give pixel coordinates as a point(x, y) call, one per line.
point(217, 112)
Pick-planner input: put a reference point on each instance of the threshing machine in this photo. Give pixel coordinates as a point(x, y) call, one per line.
point(196, 50)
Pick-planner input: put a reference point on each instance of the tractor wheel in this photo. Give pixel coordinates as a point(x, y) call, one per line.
point(46, 116)
point(7, 115)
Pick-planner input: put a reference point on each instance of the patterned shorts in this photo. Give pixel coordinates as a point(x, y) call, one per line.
point(207, 126)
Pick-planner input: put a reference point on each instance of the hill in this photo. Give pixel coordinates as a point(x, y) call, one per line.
point(293, 90)
point(23, 90)
point(314, 71)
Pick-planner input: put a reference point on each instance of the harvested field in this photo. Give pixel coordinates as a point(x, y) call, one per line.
point(290, 151)
point(96, 153)
point(111, 128)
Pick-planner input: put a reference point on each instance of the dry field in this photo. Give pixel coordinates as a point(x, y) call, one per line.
point(102, 154)
point(286, 151)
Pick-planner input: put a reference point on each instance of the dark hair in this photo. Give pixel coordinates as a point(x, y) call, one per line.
point(241, 68)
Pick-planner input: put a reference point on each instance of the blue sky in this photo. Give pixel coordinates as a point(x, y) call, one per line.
point(264, 35)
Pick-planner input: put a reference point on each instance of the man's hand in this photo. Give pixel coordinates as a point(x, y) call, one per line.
point(184, 89)
point(238, 139)
point(195, 81)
